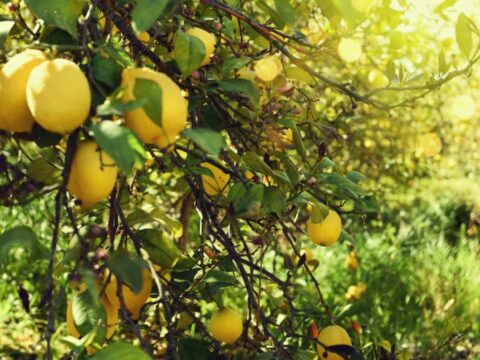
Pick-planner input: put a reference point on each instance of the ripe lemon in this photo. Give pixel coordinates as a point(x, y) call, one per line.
point(429, 144)
point(464, 107)
point(226, 326)
point(111, 319)
point(330, 336)
point(217, 184)
point(14, 112)
point(268, 68)
point(58, 95)
point(207, 39)
point(174, 109)
point(349, 50)
point(327, 232)
point(351, 261)
point(93, 174)
point(377, 79)
point(133, 301)
point(144, 37)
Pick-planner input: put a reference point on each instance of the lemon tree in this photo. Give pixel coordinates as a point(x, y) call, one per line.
point(199, 163)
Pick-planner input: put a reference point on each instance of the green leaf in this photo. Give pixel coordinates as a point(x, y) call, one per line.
point(21, 237)
point(117, 53)
point(319, 212)
point(272, 13)
point(162, 251)
point(43, 172)
point(297, 137)
point(274, 201)
point(146, 13)
point(190, 348)
point(61, 13)
point(128, 269)
point(345, 185)
point(464, 34)
point(442, 63)
point(139, 217)
point(248, 203)
point(121, 144)
point(89, 315)
point(107, 71)
point(285, 10)
point(255, 163)
point(242, 86)
point(151, 93)
point(234, 63)
point(189, 52)
point(391, 70)
point(368, 204)
point(116, 106)
point(121, 351)
point(210, 141)
point(5, 27)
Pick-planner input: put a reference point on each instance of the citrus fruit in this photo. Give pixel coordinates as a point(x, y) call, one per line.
point(133, 301)
point(327, 232)
point(58, 95)
point(93, 174)
point(174, 108)
point(217, 184)
point(14, 112)
point(226, 326)
point(208, 41)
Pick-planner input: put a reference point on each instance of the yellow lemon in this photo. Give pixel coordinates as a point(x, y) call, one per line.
point(351, 262)
point(111, 317)
point(330, 336)
point(464, 107)
point(327, 232)
point(349, 50)
point(133, 301)
point(429, 144)
point(144, 37)
point(217, 184)
point(268, 68)
point(174, 108)
point(58, 95)
point(14, 112)
point(226, 326)
point(93, 174)
point(377, 79)
point(208, 41)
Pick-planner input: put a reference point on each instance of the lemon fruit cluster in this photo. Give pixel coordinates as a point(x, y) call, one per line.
point(93, 174)
point(54, 93)
point(174, 108)
point(218, 183)
point(226, 326)
point(326, 232)
point(133, 301)
point(331, 336)
point(208, 40)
